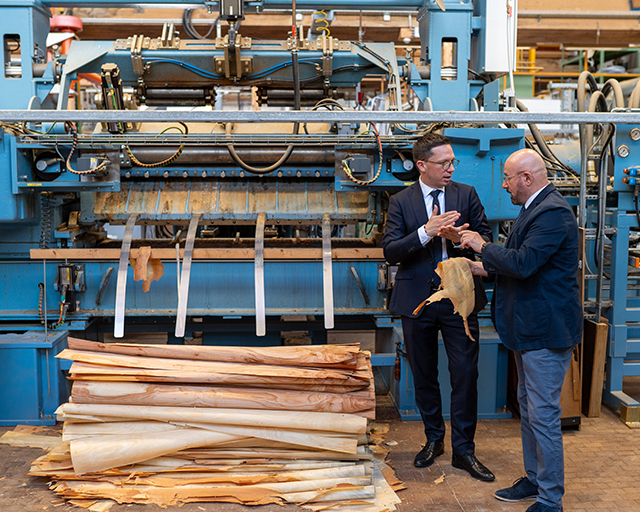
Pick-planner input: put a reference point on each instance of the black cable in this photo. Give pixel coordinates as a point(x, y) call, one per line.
point(187, 25)
point(600, 170)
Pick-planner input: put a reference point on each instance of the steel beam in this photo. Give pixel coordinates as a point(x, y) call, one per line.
point(619, 116)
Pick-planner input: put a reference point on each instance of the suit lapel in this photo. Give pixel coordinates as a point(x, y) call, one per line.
point(450, 203)
point(417, 204)
point(450, 197)
point(522, 219)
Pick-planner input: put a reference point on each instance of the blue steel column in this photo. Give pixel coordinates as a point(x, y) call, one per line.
point(618, 334)
point(29, 20)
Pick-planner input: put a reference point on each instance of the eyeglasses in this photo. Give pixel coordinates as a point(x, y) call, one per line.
point(506, 179)
point(446, 164)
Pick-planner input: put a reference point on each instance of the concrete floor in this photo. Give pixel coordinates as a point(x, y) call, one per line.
point(602, 471)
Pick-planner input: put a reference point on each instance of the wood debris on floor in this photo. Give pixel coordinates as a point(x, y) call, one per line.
point(179, 424)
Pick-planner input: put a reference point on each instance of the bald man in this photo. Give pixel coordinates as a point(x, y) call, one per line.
point(537, 311)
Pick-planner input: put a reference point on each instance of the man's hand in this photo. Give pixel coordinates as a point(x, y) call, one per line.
point(452, 232)
point(438, 222)
point(476, 268)
point(471, 239)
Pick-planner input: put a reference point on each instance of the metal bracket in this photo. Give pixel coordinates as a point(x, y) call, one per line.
point(630, 415)
point(261, 323)
point(327, 271)
point(183, 295)
point(137, 43)
point(365, 296)
point(243, 65)
point(327, 56)
point(169, 39)
point(123, 268)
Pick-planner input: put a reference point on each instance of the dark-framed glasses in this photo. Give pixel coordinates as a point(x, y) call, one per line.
point(446, 164)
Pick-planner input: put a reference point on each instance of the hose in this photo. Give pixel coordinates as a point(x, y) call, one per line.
point(259, 170)
point(547, 154)
point(537, 136)
point(612, 85)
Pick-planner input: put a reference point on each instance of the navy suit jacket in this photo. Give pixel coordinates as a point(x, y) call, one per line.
point(536, 301)
point(416, 264)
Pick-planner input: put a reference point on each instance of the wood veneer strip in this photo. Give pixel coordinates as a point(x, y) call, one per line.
point(285, 356)
point(131, 393)
point(201, 366)
point(325, 421)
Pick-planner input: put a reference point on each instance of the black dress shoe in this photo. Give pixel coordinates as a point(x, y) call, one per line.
point(428, 454)
point(475, 468)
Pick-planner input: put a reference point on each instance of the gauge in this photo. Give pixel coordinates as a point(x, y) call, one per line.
point(634, 134)
point(623, 151)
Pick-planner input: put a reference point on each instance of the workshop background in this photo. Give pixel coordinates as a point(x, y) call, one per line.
point(217, 174)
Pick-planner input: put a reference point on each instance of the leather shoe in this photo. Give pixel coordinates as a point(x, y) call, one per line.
point(475, 468)
point(428, 454)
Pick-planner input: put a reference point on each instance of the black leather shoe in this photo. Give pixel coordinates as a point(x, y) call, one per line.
point(475, 468)
point(428, 454)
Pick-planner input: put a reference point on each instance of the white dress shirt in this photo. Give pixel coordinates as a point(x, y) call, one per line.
point(428, 202)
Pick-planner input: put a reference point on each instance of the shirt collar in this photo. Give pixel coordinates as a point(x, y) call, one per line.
point(426, 189)
point(533, 196)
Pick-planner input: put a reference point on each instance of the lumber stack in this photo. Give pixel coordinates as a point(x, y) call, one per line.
point(178, 424)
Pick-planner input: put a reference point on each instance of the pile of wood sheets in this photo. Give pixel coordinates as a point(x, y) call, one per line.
point(178, 424)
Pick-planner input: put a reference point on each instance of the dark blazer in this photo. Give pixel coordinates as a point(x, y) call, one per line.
point(416, 265)
point(536, 301)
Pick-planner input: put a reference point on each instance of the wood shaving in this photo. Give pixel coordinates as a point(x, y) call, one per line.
point(456, 285)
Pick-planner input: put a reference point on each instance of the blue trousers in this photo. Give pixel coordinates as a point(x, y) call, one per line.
point(540, 377)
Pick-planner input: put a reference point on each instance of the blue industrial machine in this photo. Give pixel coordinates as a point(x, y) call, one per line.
point(259, 229)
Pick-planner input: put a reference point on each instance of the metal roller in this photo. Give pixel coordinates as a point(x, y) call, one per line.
point(215, 155)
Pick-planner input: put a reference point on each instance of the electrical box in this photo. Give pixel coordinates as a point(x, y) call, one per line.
point(32, 382)
point(500, 36)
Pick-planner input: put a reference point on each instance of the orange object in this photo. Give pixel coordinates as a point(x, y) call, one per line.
point(66, 24)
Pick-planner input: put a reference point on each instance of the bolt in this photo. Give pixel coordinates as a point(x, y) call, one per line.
point(185, 174)
point(166, 174)
point(146, 174)
point(204, 174)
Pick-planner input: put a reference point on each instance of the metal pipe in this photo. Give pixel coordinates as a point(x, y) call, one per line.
point(175, 93)
point(632, 15)
point(220, 155)
point(318, 116)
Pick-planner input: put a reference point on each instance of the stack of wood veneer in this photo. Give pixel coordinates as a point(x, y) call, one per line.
point(176, 424)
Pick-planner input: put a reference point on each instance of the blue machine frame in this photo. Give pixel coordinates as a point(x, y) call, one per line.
point(54, 215)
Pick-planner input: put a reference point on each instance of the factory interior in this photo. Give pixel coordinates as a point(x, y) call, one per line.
point(193, 200)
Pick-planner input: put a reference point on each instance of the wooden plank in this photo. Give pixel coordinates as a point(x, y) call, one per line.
point(314, 355)
point(374, 253)
point(293, 492)
point(133, 393)
point(326, 421)
point(202, 366)
point(362, 392)
point(594, 348)
point(210, 456)
point(121, 372)
point(98, 453)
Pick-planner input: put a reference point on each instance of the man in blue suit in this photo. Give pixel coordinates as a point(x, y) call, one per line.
point(423, 223)
point(537, 311)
